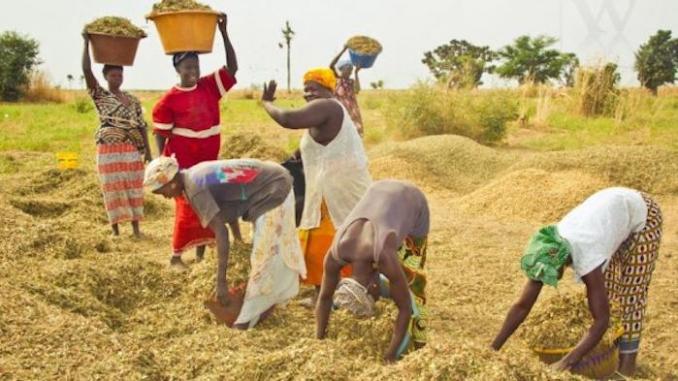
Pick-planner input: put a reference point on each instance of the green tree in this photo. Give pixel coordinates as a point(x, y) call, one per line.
point(459, 63)
point(656, 61)
point(530, 60)
point(18, 57)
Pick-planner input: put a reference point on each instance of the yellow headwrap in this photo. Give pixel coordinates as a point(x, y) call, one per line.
point(323, 76)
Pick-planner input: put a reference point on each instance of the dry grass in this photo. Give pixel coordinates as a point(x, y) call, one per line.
point(40, 90)
point(78, 304)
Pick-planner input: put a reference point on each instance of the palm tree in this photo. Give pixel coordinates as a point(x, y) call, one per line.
point(287, 35)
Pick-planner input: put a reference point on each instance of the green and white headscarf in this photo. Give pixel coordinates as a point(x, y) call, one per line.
point(546, 253)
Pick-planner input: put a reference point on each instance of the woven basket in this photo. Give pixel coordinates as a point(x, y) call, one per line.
point(600, 363)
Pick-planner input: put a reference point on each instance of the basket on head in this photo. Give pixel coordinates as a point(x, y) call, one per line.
point(364, 61)
point(600, 363)
point(186, 31)
point(113, 50)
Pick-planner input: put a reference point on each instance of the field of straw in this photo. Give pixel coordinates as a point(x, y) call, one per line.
point(76, 303)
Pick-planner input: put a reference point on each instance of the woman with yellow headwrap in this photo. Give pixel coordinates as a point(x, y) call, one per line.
point(335, 164)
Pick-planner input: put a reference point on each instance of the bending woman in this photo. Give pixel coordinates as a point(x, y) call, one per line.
point(222, 191)
point(384, 239)
point(611, 241)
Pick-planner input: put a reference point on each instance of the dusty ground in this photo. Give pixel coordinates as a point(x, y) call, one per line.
point(77, 304)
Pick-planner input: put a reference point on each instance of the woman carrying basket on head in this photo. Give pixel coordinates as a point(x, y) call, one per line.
point(611, 241)
point(122, 144)
point(347, 88)
point(187, 125)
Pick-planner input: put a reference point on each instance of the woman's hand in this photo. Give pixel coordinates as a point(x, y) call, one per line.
point(560, 366)
point(269, 91)
point(222, 22)
point(222, 294)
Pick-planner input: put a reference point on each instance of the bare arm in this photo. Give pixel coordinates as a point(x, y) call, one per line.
point(356, 85)
point(235, 229)
point(313, 114)
point(600, 311)
point(160, 143)
point(147, 147)
point(333, 64)
point(221, 234)
point(90, 79)
point(231, 59)
point(329, 284)
point(400, 293)
point(518, 312)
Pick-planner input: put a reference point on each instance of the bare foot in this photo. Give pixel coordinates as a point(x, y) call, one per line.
point(177, 264)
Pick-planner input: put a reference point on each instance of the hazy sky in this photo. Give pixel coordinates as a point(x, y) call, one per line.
point(594, 29)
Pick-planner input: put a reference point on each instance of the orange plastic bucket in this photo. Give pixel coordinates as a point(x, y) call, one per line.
point(113, 50)
point(186, 31)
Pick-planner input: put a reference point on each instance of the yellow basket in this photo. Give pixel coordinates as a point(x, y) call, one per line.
point(67, 160)
point(600, 363)
point(186, 31)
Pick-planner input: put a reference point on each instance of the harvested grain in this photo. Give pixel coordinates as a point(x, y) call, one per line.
point(562, 321)
point(178, 5)
point(551, 195)
point(364, 45)
point(115, 26)
point(240, 145)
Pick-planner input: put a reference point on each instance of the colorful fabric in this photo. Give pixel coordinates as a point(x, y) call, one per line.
point(412, 256)
point(160, 171)
point(315, 244)
point(119, 123)
point(628, 276)
point(324, 76)
point(188, 232)
point(277, 262)
point(545, 255)
point(353, 296)
point(345, 93)
point(121, 173)
point(189, 118)
point(245, 188)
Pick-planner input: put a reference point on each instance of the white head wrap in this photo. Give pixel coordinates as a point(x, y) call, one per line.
point(354, 297)
point(160, 171)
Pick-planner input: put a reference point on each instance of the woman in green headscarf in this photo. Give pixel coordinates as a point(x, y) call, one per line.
point(611, 241)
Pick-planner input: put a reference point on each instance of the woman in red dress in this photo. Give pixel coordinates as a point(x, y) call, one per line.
point(187, 125)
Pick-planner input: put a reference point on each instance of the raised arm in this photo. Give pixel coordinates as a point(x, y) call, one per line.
point(356, 85)
point(324, 306)
point(231, 59)
point(600, 311)
point(336, 59)
point(90, 79)
point(313, 114)
point(518, 312)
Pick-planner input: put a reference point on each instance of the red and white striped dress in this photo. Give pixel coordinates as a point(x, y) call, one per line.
point(189, 118)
